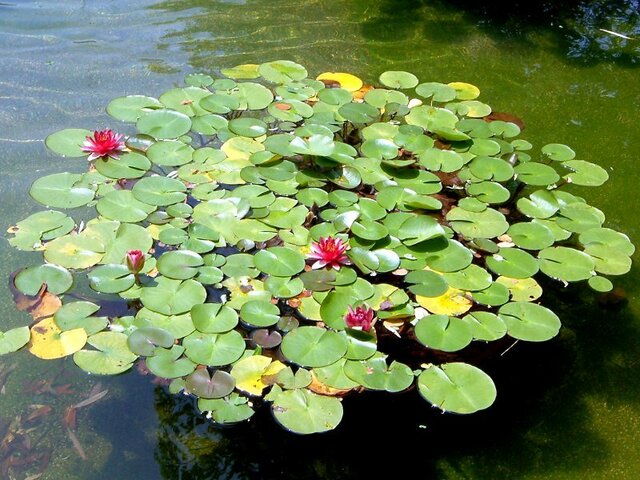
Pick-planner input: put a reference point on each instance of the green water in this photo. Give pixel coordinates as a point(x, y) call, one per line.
point(567, 409)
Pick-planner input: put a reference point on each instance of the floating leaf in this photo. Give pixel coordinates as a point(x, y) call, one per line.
point(529, 321)
point(313, 346)
point(441, 332)
point(49, 342)
point(14, 339)
point(249, 371)
point(110, 357)
point(68, 142)
point(304, 412)
point(57, 279)
point(457, 387)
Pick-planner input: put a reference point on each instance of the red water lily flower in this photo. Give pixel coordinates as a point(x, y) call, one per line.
point(135, 261)
point(104, 143)
point(328, 252)
point(361, 318)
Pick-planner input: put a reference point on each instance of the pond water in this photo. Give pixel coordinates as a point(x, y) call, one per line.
point(567, 409)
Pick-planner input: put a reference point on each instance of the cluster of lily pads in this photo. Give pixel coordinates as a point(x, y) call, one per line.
point(276, 238)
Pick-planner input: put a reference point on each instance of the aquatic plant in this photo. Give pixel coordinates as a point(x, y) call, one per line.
point(268, 237)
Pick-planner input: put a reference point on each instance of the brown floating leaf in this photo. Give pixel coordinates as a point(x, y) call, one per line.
point(316, 386)
point(42, 304)
point(505, 117)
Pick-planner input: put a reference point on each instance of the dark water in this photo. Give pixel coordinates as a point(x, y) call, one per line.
point(566, 409)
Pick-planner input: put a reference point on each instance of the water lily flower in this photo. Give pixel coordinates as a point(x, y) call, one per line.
point(104, 143)
point(361, 318)
point(135, 261)
point(328, 252)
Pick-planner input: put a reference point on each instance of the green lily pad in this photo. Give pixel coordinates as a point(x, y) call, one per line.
point(144, 340)
point(61, 190)
point(494, 296)
point(79, 315)
point(531, 236)
point(122, 205)
point(228, 410)
point(457, 387)
point(132, 107)
point(529, 321)
point(566, 264)
point(486, 224)
point(313, 346)
point(110, 357)
point(438, 92)
point(14, 339)
point(260, 313)
point(170, 153)
point(445, 333)
point(512, 262)
point(585, 173)
point(179, 264)
point(58, 279)
point(128, 166)
point(533, 173)
point(607, 238)
point(214, 349)
point(47, 225)
point(486, 326)
point(213, 318)
point(172, 297)
point(398, 79)
point(282, 71)
point(164, 123)
point(426, 283)
point(304, 412)
point(169, 363)
point(374, 374)
point(333, 375)
point(159, 191)
point(279, 261)
point(558, 152)
point(74, 251)
point(471, 278)
point(203, 385)
point(68, 142)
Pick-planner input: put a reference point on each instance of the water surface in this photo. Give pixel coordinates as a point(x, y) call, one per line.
point(567, 409)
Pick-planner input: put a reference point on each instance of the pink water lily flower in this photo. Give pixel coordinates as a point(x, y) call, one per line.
point(104, 143)
point(361, 318)
point(135, 261)
point(328, 252)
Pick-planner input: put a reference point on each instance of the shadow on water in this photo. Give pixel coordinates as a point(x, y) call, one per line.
point(542, 421)
point(580, 32)
point(583, 32)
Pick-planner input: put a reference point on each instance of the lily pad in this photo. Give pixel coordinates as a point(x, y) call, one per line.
point(57, 279)
point(14, 339)
point(304, 412)
point(110, 357)
point(457, 387)
point(214, 349)
point(313, 346)
point(49, 342)
point(529, 321)
point(445, 333)
point(61, 190)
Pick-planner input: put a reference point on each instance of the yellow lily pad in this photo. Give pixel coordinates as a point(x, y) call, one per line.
point(249, 371)
point(453, 302)
point(465, 91)
point(521, 289)
point(49, 342)
point(349, 82)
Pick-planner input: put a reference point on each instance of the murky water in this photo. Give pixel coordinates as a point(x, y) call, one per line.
point(567, 409)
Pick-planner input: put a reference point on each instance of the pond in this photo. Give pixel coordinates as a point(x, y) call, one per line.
point(567, 409)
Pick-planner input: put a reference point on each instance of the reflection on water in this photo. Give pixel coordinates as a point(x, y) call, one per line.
point(567, 409)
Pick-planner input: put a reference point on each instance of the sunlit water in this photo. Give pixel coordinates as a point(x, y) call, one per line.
point(567, 409)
